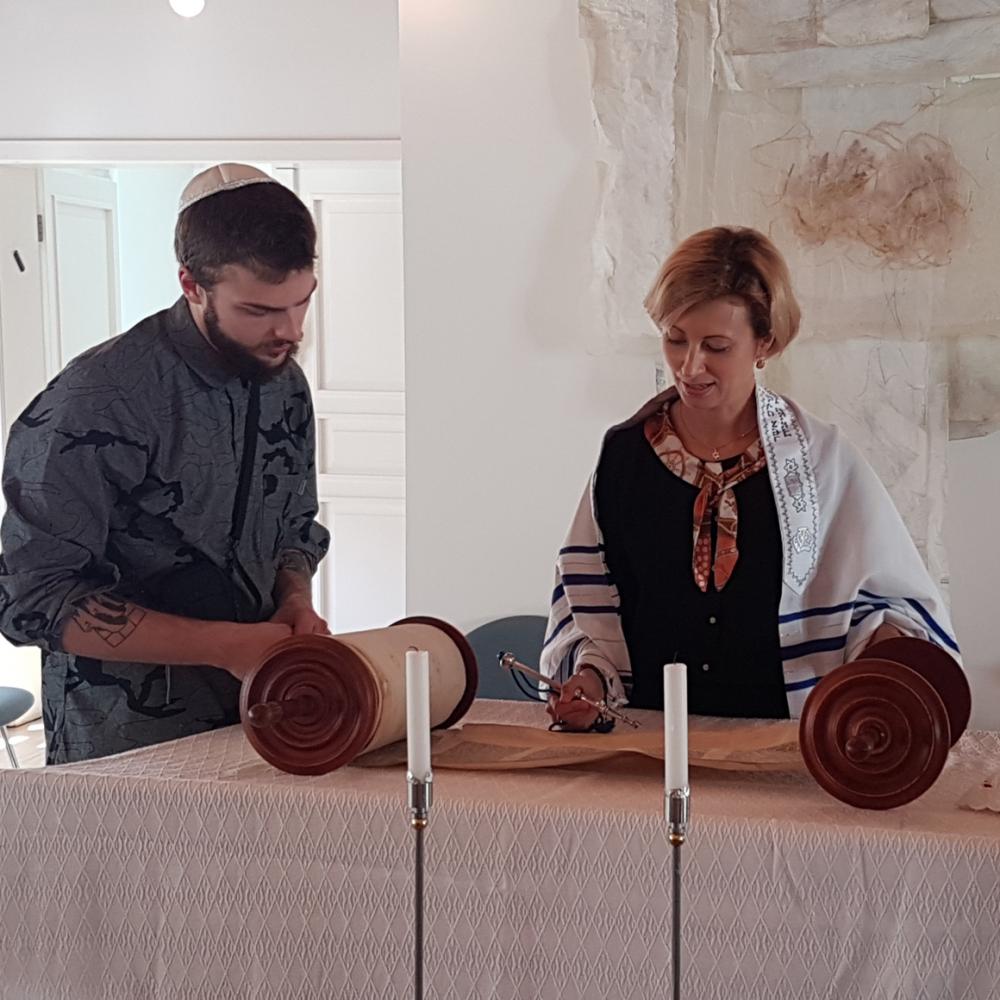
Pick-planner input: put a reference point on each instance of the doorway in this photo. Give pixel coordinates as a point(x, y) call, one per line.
point(86, 252)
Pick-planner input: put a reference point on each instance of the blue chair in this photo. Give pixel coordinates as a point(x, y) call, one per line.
point(521, 635)
point(14, 702)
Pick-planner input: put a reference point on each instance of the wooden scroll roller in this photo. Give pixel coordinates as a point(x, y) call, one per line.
point(875, 733)
point(316, 702)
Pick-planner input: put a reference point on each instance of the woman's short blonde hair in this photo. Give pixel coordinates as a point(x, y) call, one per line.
point(728, 261)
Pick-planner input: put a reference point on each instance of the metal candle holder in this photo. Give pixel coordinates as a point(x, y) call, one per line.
point(420, 793)
point(677, 811)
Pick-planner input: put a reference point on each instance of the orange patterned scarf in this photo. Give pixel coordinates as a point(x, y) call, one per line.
point(716, 500)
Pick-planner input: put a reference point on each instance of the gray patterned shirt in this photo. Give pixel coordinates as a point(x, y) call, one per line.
point(121, 478)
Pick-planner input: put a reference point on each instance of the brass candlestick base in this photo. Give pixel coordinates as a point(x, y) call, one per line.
point(421, 798)
point(420, 793)
point(677, 810)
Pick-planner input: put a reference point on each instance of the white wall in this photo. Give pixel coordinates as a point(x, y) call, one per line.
point(132, 69)
point(147, 212)
point(505, 405)
point(974, 553)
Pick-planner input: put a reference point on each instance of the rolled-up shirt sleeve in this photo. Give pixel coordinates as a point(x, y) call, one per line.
point(70, 455)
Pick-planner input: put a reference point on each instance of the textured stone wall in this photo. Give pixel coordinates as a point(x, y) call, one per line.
point(862, 135)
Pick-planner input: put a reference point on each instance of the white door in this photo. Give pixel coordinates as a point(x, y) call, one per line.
point(81, 246)
point(354, 361)
point(22, 358)
point(22, 330)
point(64, 301)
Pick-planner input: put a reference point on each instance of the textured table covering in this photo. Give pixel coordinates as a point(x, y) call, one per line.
point(194, 869)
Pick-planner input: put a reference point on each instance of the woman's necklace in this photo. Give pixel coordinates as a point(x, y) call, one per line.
point(717, 449)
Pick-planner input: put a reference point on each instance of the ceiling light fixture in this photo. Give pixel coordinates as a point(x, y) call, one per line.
point(187, 8)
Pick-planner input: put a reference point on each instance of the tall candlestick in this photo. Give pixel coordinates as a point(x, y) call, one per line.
point(675, 726)
point(418, 714)
point(419, 781)
point(676, 796)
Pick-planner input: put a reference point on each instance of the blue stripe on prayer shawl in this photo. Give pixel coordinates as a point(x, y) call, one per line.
point(859, 618)
point(557, 630)
point(814, 646)
point(928, 618)
point(831, 643)
point(802, 685)
point(815, 612)
point(840, 641)
point(594, 609)
point(568, 663)
point(593, 549)
point(924, 613)
point(578, 580)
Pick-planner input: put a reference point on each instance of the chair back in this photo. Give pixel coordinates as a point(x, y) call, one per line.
point(521, 635)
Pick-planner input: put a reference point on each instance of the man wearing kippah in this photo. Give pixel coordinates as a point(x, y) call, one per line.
point(161, 529)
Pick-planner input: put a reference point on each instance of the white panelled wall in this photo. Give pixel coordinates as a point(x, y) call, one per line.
point(354, 360)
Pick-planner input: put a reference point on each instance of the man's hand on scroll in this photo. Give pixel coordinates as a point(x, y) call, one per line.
point(570, 712)
point(246, 645)
point(293, 596)
point(297, 612)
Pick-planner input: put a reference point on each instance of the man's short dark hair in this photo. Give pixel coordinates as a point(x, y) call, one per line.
point(263, 227)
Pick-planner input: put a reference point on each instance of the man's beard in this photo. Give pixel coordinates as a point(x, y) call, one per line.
point(238, 359)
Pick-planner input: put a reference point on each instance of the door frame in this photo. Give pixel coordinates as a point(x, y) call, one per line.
point(50, 199)
point(281, 153)
point(66, 152)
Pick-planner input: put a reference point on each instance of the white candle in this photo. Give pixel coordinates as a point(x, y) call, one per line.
point(418, 714)
point(675, 725)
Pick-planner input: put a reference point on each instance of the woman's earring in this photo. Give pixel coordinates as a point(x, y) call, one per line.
point(761, 362)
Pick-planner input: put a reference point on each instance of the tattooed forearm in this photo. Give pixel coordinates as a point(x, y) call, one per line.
point(108, 617)
point(294, 577)
point(295, 561)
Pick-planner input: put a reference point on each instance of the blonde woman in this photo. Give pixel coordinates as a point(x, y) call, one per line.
point(725, 527)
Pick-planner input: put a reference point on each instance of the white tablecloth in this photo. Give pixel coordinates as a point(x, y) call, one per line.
point(194, 869)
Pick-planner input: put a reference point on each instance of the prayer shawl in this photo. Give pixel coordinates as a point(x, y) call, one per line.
point(849, 564)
